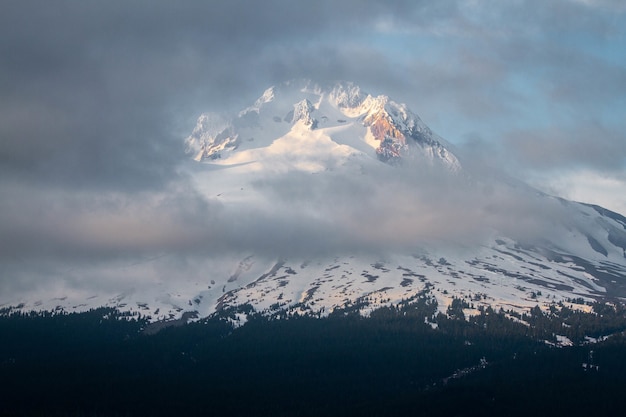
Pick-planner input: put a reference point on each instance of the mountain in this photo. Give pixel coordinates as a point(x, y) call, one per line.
point(326, 198)
point(343, 113)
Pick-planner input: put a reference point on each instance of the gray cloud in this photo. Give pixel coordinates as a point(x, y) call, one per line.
point(383, 210)
point(96, 97)
point(590, 146)
point(99, 94)
point(93, 93)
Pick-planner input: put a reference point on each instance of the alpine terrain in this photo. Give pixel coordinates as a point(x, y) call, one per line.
point(338, 199)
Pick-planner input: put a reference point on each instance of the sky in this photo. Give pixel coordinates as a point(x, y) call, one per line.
point(96, 99)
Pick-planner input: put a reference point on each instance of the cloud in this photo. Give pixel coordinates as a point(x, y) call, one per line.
point(97, 97)
point(97, 93)
point(374, 208)
point(100, 95)
point(589, 145)
point(398, 209)
point(611, 5)
point(589, 186)
point(72, 225)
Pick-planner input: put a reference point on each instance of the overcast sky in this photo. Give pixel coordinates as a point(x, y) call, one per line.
point(96, 98)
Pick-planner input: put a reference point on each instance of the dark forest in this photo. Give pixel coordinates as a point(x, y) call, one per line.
point(395, 362)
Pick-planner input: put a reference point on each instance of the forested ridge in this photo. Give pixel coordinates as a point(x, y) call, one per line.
point(402, 360)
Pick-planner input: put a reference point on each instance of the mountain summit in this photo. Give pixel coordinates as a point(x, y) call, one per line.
point(370, 125)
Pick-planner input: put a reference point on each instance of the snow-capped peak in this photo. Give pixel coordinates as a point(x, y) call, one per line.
point(375, 124)
point(346, 95)
point(209, 129)
point(302, 112)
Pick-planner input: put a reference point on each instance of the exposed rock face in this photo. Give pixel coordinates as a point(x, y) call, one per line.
point(393, 142)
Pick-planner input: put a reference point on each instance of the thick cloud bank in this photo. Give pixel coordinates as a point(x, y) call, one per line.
point(96, 98)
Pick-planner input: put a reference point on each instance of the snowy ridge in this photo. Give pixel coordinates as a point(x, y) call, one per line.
point(267, 96)
point(302, 112)
point(502, 274)
point(390, 128)
point(208, 136)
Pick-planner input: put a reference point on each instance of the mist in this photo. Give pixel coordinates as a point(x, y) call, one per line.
point(96, 100)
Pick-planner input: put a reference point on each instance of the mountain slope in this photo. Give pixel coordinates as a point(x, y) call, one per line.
point(324, 197)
